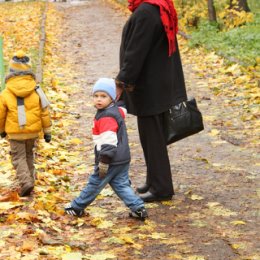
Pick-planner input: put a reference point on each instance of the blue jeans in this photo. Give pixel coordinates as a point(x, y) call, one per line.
point(118, 179)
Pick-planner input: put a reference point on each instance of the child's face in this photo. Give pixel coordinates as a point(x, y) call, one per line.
point(101, 100)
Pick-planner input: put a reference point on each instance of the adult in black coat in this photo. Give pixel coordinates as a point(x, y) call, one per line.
point(150, 81)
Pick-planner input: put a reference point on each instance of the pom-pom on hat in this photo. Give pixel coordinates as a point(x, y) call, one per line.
point(106, 85)
point(20, 62)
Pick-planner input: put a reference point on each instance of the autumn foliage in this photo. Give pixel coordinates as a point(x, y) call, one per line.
point(36, 228)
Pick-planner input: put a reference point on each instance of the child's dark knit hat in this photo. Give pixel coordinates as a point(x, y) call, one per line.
point(20, 62)
point(106, 85)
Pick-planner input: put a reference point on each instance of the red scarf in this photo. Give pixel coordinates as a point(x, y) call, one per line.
point(168, 16)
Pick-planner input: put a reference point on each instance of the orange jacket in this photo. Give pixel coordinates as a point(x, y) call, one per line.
point(36, 118)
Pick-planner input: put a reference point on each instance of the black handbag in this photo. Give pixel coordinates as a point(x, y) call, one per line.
point(182, 120)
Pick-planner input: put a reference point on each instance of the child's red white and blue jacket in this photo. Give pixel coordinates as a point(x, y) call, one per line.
point(110, 136)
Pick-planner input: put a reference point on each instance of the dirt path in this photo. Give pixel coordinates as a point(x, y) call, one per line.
point(216, 208)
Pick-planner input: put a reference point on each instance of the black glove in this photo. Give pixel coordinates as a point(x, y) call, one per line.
point(3, 135)
point(127, 87)
point(47, 138)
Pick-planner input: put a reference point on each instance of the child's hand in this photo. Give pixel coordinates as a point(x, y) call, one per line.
point(3, 135)
point(47, 138)
point(102, 169)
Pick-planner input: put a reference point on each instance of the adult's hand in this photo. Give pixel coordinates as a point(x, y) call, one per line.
point(119, 91)
point(120, 86)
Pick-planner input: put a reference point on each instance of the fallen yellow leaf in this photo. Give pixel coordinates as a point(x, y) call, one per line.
point(75, 141)
point(238, 222)
point(72, 256)
point(8, 205)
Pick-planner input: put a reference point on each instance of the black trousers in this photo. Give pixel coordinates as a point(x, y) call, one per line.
point(159, 176)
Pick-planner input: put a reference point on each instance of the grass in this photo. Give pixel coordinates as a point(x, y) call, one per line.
point(254, 5)
point(240, 45)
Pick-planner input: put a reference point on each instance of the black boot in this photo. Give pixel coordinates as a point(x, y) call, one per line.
point(149, 197)
point(143, 189)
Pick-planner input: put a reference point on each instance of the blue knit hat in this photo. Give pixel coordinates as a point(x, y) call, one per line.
point(106, 85)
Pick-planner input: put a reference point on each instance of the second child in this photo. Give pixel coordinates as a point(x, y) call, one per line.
point(24, 114)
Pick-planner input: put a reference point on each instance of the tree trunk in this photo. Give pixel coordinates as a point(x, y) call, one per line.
point(230, 4)
point(212, 11)
point(243, 5)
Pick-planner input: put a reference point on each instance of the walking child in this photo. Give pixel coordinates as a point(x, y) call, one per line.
point(112, 154)
point(23, 115)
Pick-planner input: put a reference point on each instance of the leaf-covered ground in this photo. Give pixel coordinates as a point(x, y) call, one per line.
point(213, 215)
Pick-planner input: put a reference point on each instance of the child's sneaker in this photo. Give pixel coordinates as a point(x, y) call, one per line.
point(140, 213)
point(73, 212)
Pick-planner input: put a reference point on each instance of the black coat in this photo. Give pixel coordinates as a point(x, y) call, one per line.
point(144, 62)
